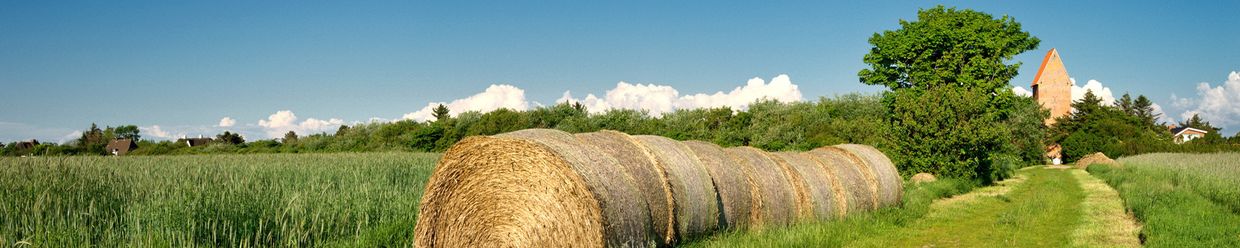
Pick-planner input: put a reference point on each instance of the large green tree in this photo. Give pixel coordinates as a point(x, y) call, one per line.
point(128, 132)
point(948, 72)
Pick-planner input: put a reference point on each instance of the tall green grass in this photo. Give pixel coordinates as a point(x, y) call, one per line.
point(1183, 200)
point(213, 200)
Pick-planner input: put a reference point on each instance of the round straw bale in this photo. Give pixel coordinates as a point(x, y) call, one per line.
point(650, 178)
point(693, 192)
point(531, 188)
point(775, 202)
point(871, 179)
point(859, 194)
point(488, 191)
point(730, 181)
point(818, 184)
point(805, 205)
point(890, 184)
point(923, 177)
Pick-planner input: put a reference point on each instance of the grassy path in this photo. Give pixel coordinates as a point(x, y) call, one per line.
point(1039, 209)
point(1105, 224)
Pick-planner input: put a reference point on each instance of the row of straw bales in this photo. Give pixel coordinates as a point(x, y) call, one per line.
point(548, 188)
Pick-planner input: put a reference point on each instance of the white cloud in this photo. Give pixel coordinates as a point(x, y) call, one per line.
point(227, 122)
point(71, 136)
point(155, 131)
point(660, 99)
point(1103, 92)
point(1219, 105)
point(494, 97)
point(283, 121)
point(1021, 91)
point(1162, 116)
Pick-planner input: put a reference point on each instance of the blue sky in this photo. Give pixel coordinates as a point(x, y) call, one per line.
point(184, 66)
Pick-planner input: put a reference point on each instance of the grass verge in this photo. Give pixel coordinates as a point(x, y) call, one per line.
point(1183, 200)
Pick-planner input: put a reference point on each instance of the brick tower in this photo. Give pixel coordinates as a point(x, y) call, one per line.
point(1052, 87)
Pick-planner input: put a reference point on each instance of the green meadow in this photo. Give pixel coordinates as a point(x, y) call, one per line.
point(289, 200)
point(371, 200)
point(1183, 200)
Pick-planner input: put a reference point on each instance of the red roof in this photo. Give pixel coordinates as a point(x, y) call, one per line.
point(1043, 66)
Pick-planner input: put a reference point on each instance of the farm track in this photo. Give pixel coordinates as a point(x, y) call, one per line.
point(1105, 223)
point(1040, 207)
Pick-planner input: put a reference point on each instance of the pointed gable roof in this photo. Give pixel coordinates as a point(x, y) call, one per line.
point(1056, 66)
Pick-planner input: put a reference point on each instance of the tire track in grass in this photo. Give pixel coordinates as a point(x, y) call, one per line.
point(1105, 222)
point(1039, 208)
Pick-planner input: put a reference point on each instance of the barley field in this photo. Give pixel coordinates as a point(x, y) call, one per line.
point(1183, 200)
point(325, 200)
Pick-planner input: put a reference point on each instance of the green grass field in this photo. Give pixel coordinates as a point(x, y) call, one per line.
point(341, 199)
point(371, 200)
point(1183, 200)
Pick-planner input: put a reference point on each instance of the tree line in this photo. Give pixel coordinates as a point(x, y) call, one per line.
point(766, 124)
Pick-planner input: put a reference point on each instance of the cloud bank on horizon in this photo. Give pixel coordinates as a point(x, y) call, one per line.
point(1220, 105)
point(496, 96)
point(660, 99)
point(654, 98)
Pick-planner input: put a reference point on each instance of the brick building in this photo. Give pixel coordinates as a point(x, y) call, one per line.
point(1052, 87)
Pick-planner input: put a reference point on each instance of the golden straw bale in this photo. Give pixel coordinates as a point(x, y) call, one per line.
point(923, 177)
point(859, 194)
point(890, 184)
point(731, 183)
point(531, 188)
point(775, 203)
point(804, 205)
point(649, 177)
point(693, 192)
point(488, 191)
point(818, 184)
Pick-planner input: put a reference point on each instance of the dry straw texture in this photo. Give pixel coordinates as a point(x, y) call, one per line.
point(804, 203)
point(1095, 158)
point(890, 184)
point(548, 188)
point(697, 210)
point(489, 191)
point(923, 177)
point(731, 183)
point(625, 215)
point(775, 203)
point(858, 193)
point(649, 177)
point(818, 184)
